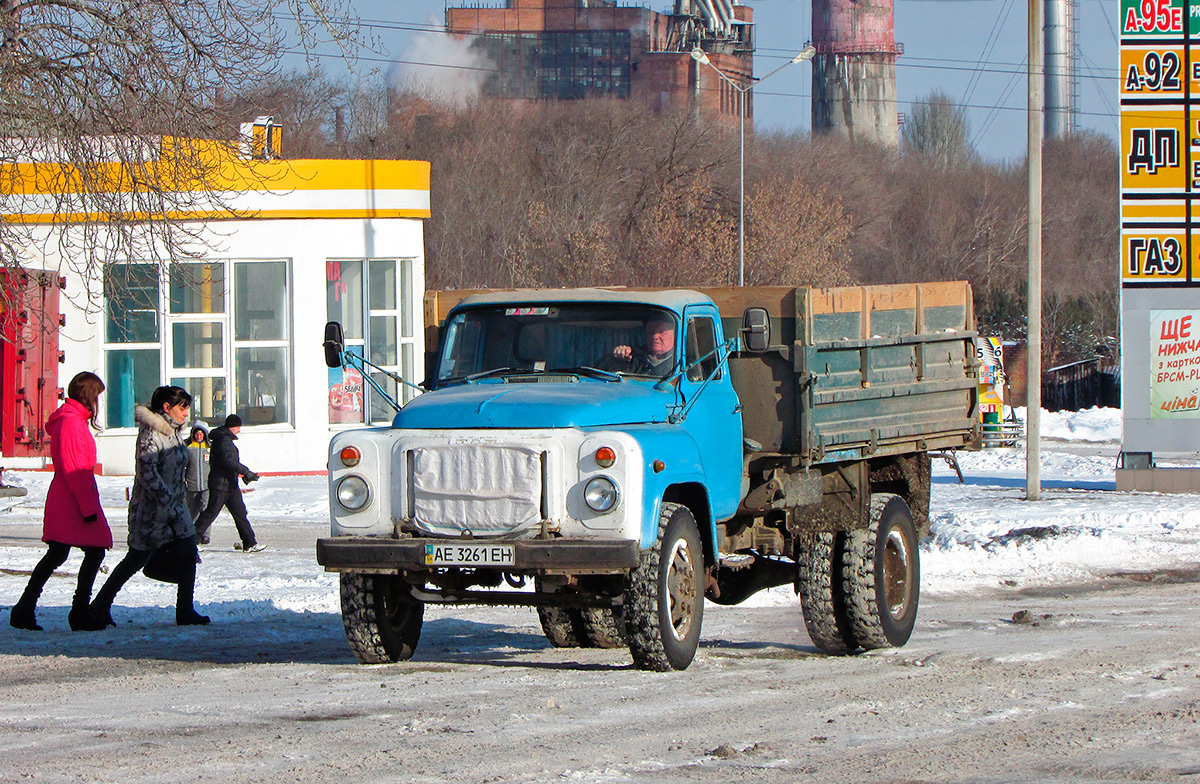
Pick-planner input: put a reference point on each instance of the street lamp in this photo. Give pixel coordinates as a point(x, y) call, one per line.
point(700, 56)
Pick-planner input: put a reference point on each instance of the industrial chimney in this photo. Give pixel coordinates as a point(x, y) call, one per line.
point(1060, 68)
point(854, 73)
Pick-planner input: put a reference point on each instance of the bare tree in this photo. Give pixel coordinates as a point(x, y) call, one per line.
point(796, 236)
point(101, 103)
point(937, 129)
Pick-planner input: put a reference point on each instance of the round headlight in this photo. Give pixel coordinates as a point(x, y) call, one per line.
point(352, 493)
point(600, 494)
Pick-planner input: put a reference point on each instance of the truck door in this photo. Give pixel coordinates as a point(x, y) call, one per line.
point(714, 413)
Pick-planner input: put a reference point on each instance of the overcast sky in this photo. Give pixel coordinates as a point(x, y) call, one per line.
point(974, 50)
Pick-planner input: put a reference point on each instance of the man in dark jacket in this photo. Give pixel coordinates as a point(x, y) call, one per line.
point(224, 470)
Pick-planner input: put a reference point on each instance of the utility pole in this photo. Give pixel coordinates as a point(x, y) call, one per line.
point(1033, 376)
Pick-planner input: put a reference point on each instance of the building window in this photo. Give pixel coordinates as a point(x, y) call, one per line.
point(558, 65)
point(226, 344)
point(372, 298)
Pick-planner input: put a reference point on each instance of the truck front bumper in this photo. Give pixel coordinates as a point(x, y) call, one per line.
point(576, 556)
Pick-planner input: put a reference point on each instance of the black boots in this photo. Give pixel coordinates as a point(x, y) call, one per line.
point(22, 616)
point(79, 619)
point(190, 618)
point(82, 619)
point(100, 615)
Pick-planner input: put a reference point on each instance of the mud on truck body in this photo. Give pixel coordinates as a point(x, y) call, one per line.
point(785, 441)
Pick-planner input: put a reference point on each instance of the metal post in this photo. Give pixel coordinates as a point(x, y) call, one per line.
point(1033, 484)
point(700, 56)
point(742, 187)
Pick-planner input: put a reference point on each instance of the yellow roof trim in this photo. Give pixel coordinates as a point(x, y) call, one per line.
point(94, 217)
point(199, 166)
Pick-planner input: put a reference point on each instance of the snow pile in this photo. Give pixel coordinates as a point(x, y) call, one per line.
point(1094, 425)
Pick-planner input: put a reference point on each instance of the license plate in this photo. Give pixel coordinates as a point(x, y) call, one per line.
point(475, 554)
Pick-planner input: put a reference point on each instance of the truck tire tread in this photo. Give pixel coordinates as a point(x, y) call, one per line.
point(821, 592)
point(886, 551)
point(603, 628)
point(563, 626)
point(642, 612)
point(364, 599)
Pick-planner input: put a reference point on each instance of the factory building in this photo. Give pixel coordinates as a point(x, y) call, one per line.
point(572, 49)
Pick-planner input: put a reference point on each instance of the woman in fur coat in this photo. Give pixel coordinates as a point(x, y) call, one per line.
point(73, 517)
point(158, 513)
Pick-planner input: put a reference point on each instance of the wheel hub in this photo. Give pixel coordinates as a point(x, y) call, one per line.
point(681, 589)
point(896, 574)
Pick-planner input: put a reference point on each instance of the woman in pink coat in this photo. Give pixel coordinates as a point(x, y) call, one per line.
point(73, 517)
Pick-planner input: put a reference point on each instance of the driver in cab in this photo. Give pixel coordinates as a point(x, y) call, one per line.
point(656, 359)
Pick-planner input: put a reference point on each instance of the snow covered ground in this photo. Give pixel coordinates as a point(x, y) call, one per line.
point(984, 534)
point(1096, 682)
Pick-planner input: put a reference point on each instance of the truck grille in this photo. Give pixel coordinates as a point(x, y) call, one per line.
point(486, 489)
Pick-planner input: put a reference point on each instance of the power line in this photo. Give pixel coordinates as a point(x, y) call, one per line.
point(479, 69)
point(931, 63)
point(988, 46)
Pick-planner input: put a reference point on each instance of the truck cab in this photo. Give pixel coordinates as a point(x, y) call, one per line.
point(556, 428)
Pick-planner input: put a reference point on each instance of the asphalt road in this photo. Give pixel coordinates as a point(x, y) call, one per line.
point(1102, 683)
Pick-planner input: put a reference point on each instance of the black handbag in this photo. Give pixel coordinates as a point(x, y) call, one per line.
point(164, 564)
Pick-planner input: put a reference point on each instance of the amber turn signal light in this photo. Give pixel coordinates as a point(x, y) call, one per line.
point(605, 457)
point(350, 456)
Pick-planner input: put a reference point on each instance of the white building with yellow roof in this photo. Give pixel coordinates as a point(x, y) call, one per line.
point(275, 249)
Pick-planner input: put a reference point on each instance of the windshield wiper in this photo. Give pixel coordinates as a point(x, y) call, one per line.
point(485, 373)
point(593, 372)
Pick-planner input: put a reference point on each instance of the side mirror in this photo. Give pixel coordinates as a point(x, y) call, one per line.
point(333, 344)
point(756, 330)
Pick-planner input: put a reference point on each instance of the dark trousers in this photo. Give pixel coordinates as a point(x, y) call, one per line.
point(197, 500)
point(231, 500)
point(55, 557)
point(132, 563)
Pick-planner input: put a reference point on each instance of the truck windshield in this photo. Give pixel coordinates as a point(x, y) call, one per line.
point(493, 341)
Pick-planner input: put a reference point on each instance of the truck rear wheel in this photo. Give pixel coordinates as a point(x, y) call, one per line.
point(664, 602)
point(883, 575)
point(603, 628)
point(588, 627)
point(822, 592)
point(562, 626)
point(382, 619)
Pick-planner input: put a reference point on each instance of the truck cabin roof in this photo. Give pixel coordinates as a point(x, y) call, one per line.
point(671, 299)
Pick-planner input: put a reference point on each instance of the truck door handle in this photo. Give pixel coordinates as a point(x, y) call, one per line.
point(737, 409)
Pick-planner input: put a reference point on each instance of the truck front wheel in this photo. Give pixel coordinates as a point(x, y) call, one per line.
point(382, 619)
point(664, 602)
point(883, 575)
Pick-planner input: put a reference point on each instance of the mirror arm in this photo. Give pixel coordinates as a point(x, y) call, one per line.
point(727, 346)
point(346, 355)
point(362, 363)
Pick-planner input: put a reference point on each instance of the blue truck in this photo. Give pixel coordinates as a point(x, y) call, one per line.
point(616, 457)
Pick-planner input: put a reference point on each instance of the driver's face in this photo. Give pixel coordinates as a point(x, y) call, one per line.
point(660, 338)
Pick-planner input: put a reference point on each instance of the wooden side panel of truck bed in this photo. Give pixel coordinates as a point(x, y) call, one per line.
point(857, 371)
